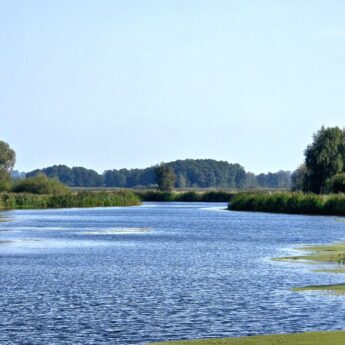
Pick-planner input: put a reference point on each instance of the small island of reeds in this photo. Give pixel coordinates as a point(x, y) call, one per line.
point(289, 202)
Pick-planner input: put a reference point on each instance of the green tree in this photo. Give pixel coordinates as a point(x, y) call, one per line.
point(298, 178)
point(181, 181)
point(7, 161)
point(324, 158)
point(335, 184)
point(165, 177)
point(40, 184)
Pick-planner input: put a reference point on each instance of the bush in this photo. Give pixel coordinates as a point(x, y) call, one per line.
point(40, 184)
point(336, 184)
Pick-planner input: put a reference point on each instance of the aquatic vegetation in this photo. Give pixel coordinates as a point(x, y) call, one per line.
point(190, 196)
point(80, 199)
point(334, 288)
point(289, 202)
point(333, 254)
point(310, 338)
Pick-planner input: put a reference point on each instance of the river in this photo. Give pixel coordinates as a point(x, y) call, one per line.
point(159, 271)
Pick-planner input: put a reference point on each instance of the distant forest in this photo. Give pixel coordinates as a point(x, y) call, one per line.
point(190, 173)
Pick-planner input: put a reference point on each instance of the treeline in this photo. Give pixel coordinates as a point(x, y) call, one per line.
point(323, 170)
point(190, 173)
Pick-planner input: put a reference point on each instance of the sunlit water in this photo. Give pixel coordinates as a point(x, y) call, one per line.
point(159, 272)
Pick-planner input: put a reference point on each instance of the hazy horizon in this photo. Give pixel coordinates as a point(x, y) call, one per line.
point(113, 84)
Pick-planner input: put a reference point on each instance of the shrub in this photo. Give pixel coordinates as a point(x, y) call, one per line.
point(336, 184)
point(40, 184)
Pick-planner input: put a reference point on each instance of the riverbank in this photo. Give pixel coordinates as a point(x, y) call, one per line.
point(311, 338)
point(289, 202)
point(189, 196)
point(68, 200)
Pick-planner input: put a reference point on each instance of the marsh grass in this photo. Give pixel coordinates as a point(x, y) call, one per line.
point(188, 196)
point(331, 288)
point(333, 254)
point(289, 202)
point(68, 200)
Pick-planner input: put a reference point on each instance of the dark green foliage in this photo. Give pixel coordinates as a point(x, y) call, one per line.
point(82, 199)
point(280, 180)
point(189, 197)
point(7, 157)
point(156, 196)
point(324, 158)
point(285, 202)
point(129, 178)
point(165, 177)
point(298, 178)
point(335, 205)
point(5, 180)
point(335, 184)
point(7, 161)
point(217, 196)
point(73, 177)
point(39, 184)
point(212, 196)
point(199, 173)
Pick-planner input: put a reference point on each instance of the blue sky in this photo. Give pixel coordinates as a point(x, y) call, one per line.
point(111, 84)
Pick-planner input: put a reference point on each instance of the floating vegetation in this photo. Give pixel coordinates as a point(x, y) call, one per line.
point(333, 254)
point(334, 288)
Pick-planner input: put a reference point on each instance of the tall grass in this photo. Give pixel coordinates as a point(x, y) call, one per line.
point(191, 196)
point(82, 199)
point(285, 202)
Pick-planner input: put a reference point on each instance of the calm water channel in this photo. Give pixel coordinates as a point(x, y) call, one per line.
point(160, 271)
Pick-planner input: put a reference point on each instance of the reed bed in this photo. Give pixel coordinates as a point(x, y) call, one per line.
point(68, 200)
point(190, 196)
point(289, 202)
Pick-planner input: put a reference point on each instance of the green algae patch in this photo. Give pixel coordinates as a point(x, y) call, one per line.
point(330, 253)
point(334, 288)
point(311, 338)
point(331, 270)
point(333, 254)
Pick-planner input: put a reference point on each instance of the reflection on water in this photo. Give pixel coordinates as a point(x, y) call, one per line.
point(159, 271)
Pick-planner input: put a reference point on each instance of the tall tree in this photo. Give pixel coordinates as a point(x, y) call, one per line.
point(324, 158)
point(298, 178)
point(7, 161)
point(165, 177)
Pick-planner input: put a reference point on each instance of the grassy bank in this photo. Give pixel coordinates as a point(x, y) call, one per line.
point(190, 196)
point(312, 338)
point(68, 200)
point(287, 202)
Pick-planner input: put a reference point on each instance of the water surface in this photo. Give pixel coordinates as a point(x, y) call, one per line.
point(157, 272)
